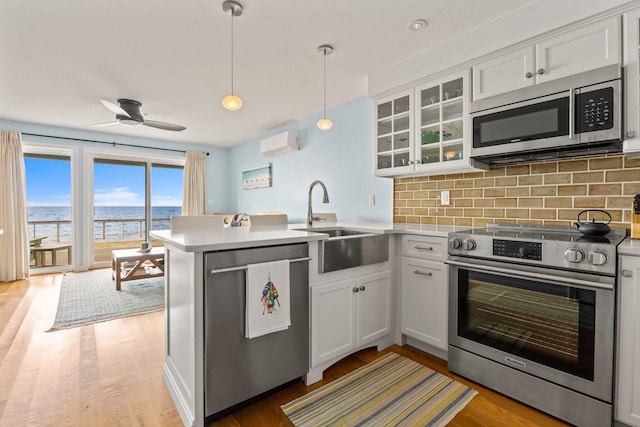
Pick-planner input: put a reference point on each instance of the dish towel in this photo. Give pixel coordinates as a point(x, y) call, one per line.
point(267, 298)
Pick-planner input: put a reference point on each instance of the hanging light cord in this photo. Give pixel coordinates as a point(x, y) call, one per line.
point(324, 55)
point(232, 12)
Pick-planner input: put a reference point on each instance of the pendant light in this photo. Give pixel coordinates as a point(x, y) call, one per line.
point(324, 123)
point(232, 102)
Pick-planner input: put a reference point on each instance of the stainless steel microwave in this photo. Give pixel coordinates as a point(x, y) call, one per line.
point(569, 117)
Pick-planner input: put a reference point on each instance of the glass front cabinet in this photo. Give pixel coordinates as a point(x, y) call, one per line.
point(424, 130)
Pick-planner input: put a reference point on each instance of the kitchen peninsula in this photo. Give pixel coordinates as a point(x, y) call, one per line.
point(190, 257)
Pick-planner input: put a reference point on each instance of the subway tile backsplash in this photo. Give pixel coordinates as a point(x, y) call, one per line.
point(550, 193)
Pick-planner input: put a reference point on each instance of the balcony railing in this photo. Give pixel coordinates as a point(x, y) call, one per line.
point(60, 230)
point(108, 234)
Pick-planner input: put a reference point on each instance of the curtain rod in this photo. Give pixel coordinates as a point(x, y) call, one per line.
point(105, 142)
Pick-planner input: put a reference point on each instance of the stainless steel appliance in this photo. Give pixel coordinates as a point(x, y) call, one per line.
point(236, 368)
point(572, 116)
point(531, 315)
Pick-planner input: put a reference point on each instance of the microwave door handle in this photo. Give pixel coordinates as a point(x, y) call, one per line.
point(572, 130)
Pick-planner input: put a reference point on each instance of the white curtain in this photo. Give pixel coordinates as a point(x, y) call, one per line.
point(14, 242)
point(194, 192)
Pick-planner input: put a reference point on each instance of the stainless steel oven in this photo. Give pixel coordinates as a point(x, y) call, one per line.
point(532, 315)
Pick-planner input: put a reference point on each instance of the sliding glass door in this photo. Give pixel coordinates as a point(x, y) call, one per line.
point(130, 198)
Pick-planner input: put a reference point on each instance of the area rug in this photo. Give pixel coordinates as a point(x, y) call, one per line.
point(390, 391)
point(91, 297)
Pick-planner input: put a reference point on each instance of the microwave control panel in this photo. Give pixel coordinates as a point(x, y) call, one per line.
point(594, 110)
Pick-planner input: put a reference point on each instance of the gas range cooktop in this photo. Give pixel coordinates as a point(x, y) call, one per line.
point(546, 232)
point(548, 246)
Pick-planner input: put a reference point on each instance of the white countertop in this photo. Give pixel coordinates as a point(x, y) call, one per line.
point(383, 227)
point(629, 246)
point(233, 238)
point(246, 237)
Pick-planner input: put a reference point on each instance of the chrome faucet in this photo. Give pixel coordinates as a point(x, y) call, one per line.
point(325, 199)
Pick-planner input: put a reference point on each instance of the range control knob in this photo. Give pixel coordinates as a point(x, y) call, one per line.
point(597, 258)
point(574, 255)
point(468, 244)
point(455, 243)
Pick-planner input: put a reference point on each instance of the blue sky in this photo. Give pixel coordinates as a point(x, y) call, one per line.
point(114, 185)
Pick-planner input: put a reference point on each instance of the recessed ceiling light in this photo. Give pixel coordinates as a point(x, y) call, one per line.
point(417, 24)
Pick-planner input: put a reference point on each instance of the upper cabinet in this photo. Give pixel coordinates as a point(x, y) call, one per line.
point(595, 45)
point(394, 130)
point(423, 130)
point(631, 23)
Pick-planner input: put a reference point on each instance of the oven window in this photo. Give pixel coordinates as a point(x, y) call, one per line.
point(544, 323)
point(537, 121)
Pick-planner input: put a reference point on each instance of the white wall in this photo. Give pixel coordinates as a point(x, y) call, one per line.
point(342, 158)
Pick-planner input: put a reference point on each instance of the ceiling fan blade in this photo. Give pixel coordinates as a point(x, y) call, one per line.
point(106, 124)
point(114, 107)
point(163, 125)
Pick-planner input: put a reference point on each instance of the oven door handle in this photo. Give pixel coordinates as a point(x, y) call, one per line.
point(531, 275)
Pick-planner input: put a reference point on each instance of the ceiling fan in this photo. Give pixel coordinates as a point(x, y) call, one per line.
point(128, 114)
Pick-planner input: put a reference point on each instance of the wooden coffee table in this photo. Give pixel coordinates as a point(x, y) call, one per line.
point(131, 264)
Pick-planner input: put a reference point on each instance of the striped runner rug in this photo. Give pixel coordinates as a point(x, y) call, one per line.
point(390, 391)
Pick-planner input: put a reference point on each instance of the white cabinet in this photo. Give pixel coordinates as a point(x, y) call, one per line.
point(592, 46)
point(348, 314)
point(627, 399)
point(394, 134)
point(424, 301)
point(425, 290)
point(631, 25)
point(424, 130)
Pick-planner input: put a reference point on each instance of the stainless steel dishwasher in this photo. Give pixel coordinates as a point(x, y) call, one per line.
point(236, 368)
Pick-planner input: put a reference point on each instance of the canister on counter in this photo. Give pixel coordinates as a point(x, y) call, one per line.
point(635, 217)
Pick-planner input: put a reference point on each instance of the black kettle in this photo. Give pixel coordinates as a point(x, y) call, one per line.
point(594, 228)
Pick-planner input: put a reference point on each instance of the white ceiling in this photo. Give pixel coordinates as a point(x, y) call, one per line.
point(57, 58)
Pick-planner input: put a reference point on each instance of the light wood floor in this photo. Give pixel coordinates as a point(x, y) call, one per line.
point(109, 374)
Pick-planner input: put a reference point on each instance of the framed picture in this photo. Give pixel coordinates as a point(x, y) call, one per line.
point(259, 177)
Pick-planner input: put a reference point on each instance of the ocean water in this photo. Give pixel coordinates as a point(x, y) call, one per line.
point(102, 230)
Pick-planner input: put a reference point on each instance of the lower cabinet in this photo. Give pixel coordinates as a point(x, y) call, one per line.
point(627, 399)
point(424, 301)
point(349, 314)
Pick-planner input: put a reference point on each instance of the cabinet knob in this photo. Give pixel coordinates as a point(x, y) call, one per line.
point(423, 273)
point(631, 134)
point(355, 289)
point(627, 273)
point(529, 74)
point(362, 288)
point(541, 71)
point(417, 162)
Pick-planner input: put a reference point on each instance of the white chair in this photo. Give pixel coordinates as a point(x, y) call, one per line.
point(181, 223)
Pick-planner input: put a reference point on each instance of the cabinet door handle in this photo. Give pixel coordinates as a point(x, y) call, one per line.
point(627, 273)
point(541, 71)
point(423, 248)
point(423, 273)
point(355, 289)
point(529, 74)
point(362, 288)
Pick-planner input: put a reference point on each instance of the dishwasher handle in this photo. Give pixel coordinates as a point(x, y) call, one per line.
point(244, 267)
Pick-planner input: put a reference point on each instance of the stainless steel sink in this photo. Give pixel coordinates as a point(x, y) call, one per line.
point(347, 248)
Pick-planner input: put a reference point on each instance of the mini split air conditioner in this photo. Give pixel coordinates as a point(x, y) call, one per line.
point(281, 143)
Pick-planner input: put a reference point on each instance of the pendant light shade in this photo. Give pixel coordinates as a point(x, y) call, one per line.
point(232, 102)
point(324, 123)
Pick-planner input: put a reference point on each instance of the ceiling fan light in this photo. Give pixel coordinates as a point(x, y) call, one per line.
point(324, 124)
point(129, 122)
point(232, 102)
